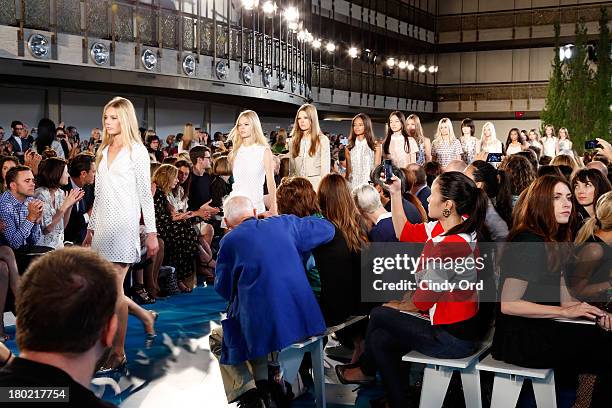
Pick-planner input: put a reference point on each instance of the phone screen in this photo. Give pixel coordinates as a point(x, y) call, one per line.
point(388, 167)
point(494, 157)
point(590, 144)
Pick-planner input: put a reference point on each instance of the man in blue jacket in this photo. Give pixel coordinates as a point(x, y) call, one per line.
point(271, 305)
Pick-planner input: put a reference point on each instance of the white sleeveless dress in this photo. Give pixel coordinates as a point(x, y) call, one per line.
point(250, 174)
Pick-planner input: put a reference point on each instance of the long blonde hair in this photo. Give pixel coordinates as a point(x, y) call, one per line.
point(297, 133)
point(601, 221)
point(492, 137)
point(256, 130)
point(188, 133)
point(451, 131)
point(129, 126)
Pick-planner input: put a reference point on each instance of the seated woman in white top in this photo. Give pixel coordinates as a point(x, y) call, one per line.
point(399, 146)
point(57, 205)
point(549, 141)
point(309, 147)
point(513, 142)
point(251, 162)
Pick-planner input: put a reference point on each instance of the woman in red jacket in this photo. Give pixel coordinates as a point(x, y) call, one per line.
point(442, 323)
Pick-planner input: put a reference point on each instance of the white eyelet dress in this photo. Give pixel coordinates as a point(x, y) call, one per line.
point(121, 193)
point(362, 163)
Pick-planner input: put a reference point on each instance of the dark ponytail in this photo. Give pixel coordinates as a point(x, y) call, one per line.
point(496, 185)
point(469, 200)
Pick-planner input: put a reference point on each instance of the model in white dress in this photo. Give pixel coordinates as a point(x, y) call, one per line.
point(250, 174)
point(550, 146)
point(362, 163)
point(122, 191)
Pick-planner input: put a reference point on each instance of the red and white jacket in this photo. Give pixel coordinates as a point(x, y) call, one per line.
point(444, 307)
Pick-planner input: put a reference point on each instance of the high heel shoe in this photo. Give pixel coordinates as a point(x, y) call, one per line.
point(107, 369)
point(340, 369)
point(150, 337)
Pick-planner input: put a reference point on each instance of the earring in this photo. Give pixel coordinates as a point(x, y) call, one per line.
point(446, 213)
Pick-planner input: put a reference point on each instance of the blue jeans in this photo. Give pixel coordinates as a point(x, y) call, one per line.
point(391, 334)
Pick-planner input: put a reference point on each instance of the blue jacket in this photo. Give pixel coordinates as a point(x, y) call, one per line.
point(274, 306)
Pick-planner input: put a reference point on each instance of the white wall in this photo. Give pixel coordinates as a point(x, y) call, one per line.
point(26, 105)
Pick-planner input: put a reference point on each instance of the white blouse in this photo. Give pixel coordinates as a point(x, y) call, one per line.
point(397, 150)
point(55, 238)
point(550, 146)
point(122, 192)
point(362, 163)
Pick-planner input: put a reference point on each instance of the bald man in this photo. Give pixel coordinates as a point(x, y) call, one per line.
point(455, 165)
point(597, 165)
point(261, 273)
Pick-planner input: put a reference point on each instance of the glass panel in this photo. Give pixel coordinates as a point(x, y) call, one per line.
point(147, 25)
point(97, 18)
point(37, 14)
point(188, 34)
point(206, 37)
point(69, 16)
point(169, 24)
point(221, 40)
point(124, 22)
point(7, 12)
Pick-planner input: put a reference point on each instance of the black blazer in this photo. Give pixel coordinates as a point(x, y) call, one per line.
point(19, 151)
point(76, 229)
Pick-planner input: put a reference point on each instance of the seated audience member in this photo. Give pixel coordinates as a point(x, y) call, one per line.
point(57, 205)
point(63, 287)
point(295, 195)
point(588, 185)
point(220, 187)
point(598, 165)
point(548, 170)
point(377, 218)
point(456, 323)
point(271, 304)
point(180, 193)
point(433, 170)
point(531, 156)
point(534, 292)
point(82, 171)
point(20, 212)
point(6, 163)
point(412, 212)
point(175, 228)
point(156, 154)
point(455, 165)
point(497, 186)
point(520, 172)
point(199, 194)
point(420, 188)
point(565, 160)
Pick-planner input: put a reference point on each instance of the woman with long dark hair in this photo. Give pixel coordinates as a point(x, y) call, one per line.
point(455, 323)
point(362, 153)
point(399, 146)
point(415, 130)
point(534, 291)
point(46, 139)
point(588, 185)
point(469, 143)
point(513, 142)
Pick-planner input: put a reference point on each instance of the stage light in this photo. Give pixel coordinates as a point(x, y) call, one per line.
point(316, 43)
point(352, 52)
point(293, 26)
point(390, 62)
point(566, 52)
point(292, 14)
point(431, 69)
point(189, 65)
point(269, 7)
point(436, 68)
point(422, 69)
point(402, 65)
point(250, 4)
point(247, 74)
point(99, 53)
point(330, 47)
point(39, 46)
point(410, 66)
point(149, 59)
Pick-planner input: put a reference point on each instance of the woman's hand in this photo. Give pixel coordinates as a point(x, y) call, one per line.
point(482, 155)
point(605, 322)
point(152, 244)
point(605, 149)
point(582, 310)
point(74, 196)
point(396, 185)
point(88, 238)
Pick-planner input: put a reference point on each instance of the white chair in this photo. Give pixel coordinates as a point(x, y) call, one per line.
point(438, 373)
point(291, 358)
point(509, 379)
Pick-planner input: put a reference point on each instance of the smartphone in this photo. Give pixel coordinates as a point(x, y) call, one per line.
point(388, 168)
point(591, 145)
point(494, 158)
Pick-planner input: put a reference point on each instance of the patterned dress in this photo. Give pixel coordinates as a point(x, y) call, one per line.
point(444, 152)
point(362, 163)
point(180, 238)
point(55, 238)
point(468, 144)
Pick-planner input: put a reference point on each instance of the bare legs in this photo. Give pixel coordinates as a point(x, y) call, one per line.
point(8, 257)
point(151, 272)
point(4, 284)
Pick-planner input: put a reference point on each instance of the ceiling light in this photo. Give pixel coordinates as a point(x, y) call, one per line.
point(422, 68)
point(250, 4)
point(330, 47)
point(149, 59)
point(410, 66)
point(39, 46)
point(431, 69)
point(269, 7)
point(292, 14)
point(390, 62)
point(99, 53)
point(189, 65)
point(352, 52)
point(402, 65)
point(316, 43)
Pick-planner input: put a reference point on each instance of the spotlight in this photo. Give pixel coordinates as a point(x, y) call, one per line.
point(149, 59)
point(431, 69)
point(390, 62)
point(436, 68)
point(352, 52)
point(410, 66)
point(189, 65)
point(316, 43)
point(302, 35)
point(250, 4)
point(330, 47)
point(293, 26)
point(565, 52)
point(247, 74)
point(269, 7)
point(422, 69)
point(99, 53)
point(292, 14)
point(39, 46)
point(402, 65)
